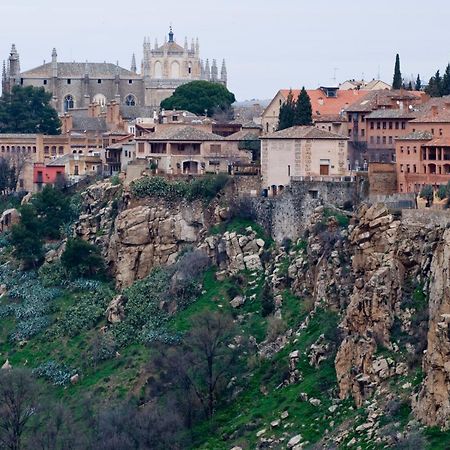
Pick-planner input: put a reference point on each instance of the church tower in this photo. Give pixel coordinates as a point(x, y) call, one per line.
point(11, 74)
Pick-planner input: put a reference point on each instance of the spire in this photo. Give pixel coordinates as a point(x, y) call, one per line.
point(14, 62)
point(207, 71)
point(156, 43)
point(170, 34)
point(197, 47)
point(185, 43)
point(54, 63)
point(202, 70)
point(214, 71)
point(133, 63)
point(192, 45)
point(54, 54)
point(223, 73)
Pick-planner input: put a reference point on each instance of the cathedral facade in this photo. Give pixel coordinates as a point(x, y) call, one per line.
point(76, 85)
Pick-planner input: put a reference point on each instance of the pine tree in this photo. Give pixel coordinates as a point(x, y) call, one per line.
point(303, 109)
point(445, 88)
point(397, 82)
point(287, 113)
point(418, 85)
point(434, 88)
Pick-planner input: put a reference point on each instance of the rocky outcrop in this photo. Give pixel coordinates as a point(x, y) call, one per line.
point(432, 404)
point(146, 236)
point(385, 254)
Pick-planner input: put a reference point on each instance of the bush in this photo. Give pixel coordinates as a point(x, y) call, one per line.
point(286, 243)
point(80, 258)
point(56, 373)
point(206, 187)
point(427, 194)
point(52, 275)
point(267, 301)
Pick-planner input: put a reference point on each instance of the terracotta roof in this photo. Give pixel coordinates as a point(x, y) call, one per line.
point(435, 110)
point(438, 142)
point(376, 99)
point(303, 132)
point(416, 136)
point(392, 114)
point(244, 135)
point(323, 105)
point(79, 70)
point(182, 133)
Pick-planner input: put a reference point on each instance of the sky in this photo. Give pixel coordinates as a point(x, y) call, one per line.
point(268, 44)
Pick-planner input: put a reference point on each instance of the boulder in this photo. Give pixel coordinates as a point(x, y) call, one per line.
point(115, 312)
point(294, 440)
point(237, 301)
point(7, 365)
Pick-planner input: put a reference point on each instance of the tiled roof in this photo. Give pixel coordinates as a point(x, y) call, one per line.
point(303, 132)
point(323, 105)
point(436, 110)
point(79, 70)
point(182, 133)
point(89, 124)
point(244, 135)
point(392, 114)
point(376, 99)
point(330, 118)
point(438, 142)
point(416, 136)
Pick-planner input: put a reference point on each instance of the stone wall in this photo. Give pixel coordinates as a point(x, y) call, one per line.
point(382, 178)
point(287, 215)
point(426, 217)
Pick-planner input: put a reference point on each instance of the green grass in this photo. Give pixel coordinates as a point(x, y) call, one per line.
point(437, 439)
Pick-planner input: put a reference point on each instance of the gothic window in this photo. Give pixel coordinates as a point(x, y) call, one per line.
point(175, 70)
point(158, 70)
point(130, 100)
point(68, 103)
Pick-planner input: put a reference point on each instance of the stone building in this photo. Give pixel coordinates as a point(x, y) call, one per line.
point(302, 152)
point(78, 84)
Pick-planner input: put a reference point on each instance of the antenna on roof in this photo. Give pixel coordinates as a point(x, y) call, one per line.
point(335, 69)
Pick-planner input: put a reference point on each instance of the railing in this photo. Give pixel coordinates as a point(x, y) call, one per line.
point(335, 179)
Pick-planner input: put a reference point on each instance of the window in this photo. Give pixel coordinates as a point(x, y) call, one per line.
point(130, 81)
point(391, 125)
point(372, 139)
point(408, 170)
point(371, 125)
point(414, 168)
point(384, 125)
point(141, 147)
point(390, 139)
point(378, 125)
point(440, 131)
point(46, 150)
point(53, 150)
point(68, 103)
point(61, 150)
point(363, 132)
point(100, 99)
point(384, 140)
point(397, 125)
point(69, 81)
point(45, 82)
point(215, 148)
point(99, 81)
point(403, 125)
point(76, 170)
point(432, 131)
point(401, 167)
point(289, 170)
point(401, 149)
point(130, 100)
point(21, 81)
point(378, 139)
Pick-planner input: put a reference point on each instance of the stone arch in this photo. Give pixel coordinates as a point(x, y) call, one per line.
point(100, 99)
point(158, 69)
point(69, 102)
point(130, 100)
point(175, 69)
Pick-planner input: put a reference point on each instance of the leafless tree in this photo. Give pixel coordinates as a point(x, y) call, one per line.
point(18, 402)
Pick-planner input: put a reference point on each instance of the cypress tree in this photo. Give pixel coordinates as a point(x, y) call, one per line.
point(434, 88)
point(418, 85)
point(287, 113)
point(303, 109)
point(410, 86)
point(397, 81)
point(445, 88)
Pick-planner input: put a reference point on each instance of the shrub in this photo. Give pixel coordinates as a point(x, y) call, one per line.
point(115, 180)
point(56, 373)
point(442, 191)
point(267, 301)
point(286, 243)
point(80, 258)
point(427, 194)
point(52, 274)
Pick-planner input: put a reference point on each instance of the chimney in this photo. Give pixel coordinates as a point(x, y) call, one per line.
point(113, 113)
point(67, 123)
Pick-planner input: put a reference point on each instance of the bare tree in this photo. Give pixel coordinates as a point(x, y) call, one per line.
point(12, 167)
point(18, 398)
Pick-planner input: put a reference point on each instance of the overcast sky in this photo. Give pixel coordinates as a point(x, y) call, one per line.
point(268, 44)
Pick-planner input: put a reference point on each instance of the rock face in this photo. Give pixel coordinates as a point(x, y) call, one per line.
point(432, 405)
point(146, 236)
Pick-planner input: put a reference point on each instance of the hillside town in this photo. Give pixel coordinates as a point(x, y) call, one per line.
point(184, 270)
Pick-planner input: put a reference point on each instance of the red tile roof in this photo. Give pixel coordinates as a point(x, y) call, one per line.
point(323, 105)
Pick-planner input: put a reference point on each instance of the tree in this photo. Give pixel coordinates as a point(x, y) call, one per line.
point(397, 81)
point(18, 398)
point(200, 96)
point(427, 193)
point(303, 109)
point(28, 110)
point(445, 87)
point(434, 88)
point(80, 258)
point(267, 301)
point(11, 168)
point(25, 237)
point(410, 86)
point(418, 85)
point(287, 113)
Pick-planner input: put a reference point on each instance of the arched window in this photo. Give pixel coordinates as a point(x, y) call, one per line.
point(68, 103)
point(175, 70)
point(130, 100)
point(158, 70)
point(100, 99)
